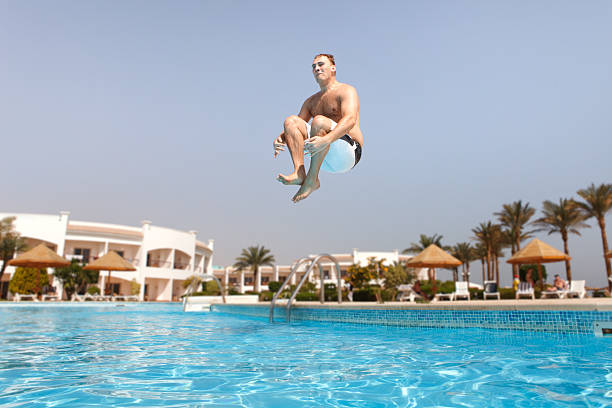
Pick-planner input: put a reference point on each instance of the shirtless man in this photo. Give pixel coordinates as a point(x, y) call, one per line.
point(333, 140)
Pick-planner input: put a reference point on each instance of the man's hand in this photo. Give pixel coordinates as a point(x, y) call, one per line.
point(279, 143)
point(316, 144)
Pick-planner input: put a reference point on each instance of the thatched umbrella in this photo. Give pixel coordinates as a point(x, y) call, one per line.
point(39, 257)
point(112, 261)
point(538, 252)
point(433, 257)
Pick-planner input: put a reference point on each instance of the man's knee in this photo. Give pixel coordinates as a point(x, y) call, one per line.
point(321, 124)
point(291, 122)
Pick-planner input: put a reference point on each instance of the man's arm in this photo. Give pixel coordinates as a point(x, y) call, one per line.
point(349, 108)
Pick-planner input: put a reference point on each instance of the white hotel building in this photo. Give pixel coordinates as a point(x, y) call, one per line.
point(163, 257)
point(243, 281)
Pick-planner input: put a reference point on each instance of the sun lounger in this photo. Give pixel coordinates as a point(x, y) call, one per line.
point(491, 290)
point(46, 298)
point(461, 291)
point(525, 289)
point(577, 289)
point(443, 296)
point(554, 293)
point(20, 297)
point(406, 292)
point(132, 298)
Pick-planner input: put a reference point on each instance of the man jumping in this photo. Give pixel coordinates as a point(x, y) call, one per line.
point(334, 138)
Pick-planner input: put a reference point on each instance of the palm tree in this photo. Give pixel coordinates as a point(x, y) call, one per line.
point(597, 203)
point(252, 258)
point(424, 242)
point(10, 242)
point(498, 242)
point(514, 217)
point(480, 253)
point(484, 234)
point(464, 251)
point(563, 218)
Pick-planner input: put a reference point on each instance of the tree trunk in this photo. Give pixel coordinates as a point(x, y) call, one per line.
point(540, 277)
point(4, 264)
point(515, 267)
point(604, 241)
point(489, 264)
point(483, 270)
point(497, 270)
point(568, 267)
point(255, 280)
point(433, 288)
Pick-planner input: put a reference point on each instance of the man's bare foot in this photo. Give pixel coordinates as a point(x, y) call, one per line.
point(294, 179)
point(306, 189)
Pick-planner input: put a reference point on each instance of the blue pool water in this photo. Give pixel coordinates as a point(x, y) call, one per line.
point(156, 355)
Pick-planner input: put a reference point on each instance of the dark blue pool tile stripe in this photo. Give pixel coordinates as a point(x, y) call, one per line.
point(578, 322)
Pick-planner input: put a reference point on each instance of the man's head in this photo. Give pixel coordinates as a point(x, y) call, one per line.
point(324, 67)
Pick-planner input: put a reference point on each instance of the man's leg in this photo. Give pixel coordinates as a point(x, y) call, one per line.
point(321, 126)
point(295, 134)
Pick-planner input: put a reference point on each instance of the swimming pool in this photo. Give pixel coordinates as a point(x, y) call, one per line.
point(156, 355)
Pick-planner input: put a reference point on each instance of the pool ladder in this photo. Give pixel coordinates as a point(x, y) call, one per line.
point(311, 261)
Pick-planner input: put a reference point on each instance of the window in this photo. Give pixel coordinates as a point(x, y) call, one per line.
point(114, 288)
point(265, 279)
point(233, 280)
point(84, 253)
point(248, 281)
point(120, 253)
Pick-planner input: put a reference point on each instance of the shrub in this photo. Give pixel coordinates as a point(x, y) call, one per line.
point(134, 287)
point(331, 292)
point(368, 294)
point(306, 296)
point(524, 268)
point(446, 287)
point(233, 291)
point(274, 286)
point(28, 281)
point(93, 290)
point(266, 295)
point(507, 293)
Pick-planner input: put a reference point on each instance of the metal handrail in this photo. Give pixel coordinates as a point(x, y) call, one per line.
point(221, 288)
point(313, 261)
point(280, 290)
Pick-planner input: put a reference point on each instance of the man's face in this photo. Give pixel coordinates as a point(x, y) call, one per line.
point(322, 68)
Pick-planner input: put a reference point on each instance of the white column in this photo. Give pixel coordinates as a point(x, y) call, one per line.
point(293, 278)
point(241, 281)
point(143, 281)
point(226, 277)
point(276, 268)
point(257, 283)
point(172, 257)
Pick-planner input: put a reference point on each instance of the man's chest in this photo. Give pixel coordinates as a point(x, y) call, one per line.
point(327, 105)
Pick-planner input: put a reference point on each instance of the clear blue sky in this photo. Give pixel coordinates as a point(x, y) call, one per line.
point(124, 111)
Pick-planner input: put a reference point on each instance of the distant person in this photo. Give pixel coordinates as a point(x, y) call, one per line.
point(529, 277)
point(416, 288)
point(559, 284)
point(350, 291)
point(334, 138)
